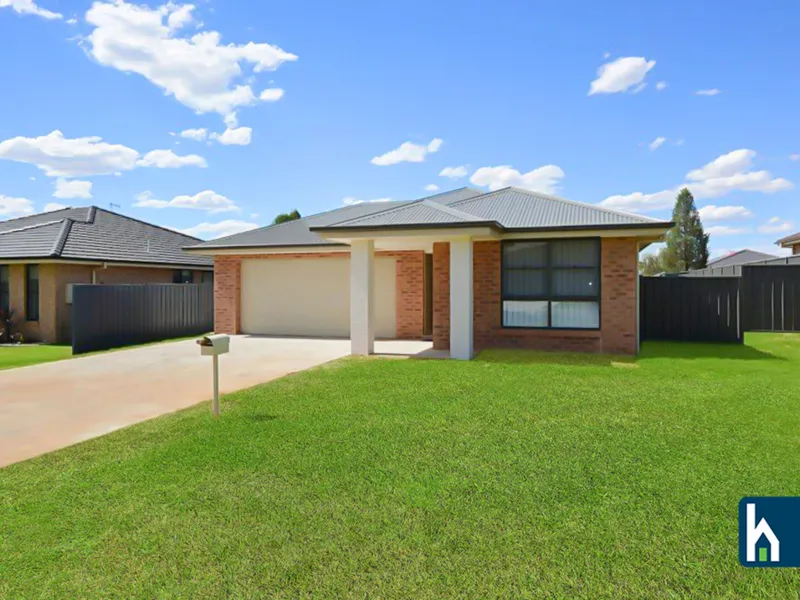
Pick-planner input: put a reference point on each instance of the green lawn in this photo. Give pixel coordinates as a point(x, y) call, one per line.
point(24, 355)
point(514, 475)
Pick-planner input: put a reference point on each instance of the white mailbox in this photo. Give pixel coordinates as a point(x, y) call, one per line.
point(214, 345)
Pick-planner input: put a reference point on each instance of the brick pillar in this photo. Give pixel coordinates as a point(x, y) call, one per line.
point(619, 269)
point(227, 294)
point(410, 295)
point(441, 295)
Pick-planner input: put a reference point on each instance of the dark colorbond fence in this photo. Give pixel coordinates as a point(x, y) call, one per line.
point(690, 309)
point(113, 316)
point(771, 298)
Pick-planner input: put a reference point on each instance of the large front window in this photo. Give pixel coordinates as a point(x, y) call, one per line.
point(32, 292)
point(5, 291)
point(552, 284)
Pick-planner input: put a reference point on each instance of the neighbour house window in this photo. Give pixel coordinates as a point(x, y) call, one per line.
point(182, 276)
point(5, 290)
point(32, 292)
point(552, 284)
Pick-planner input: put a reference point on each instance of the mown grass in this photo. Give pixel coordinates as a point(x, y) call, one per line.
point(515, 475)
point(29, 354)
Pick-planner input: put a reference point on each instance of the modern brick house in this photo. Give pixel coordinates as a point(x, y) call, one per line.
point(42, 256)
point(471, 270)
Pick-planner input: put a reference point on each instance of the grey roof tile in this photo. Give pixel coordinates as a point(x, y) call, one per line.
point(92, 233)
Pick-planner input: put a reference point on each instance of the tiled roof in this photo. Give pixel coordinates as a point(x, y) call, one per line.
point(92, 233)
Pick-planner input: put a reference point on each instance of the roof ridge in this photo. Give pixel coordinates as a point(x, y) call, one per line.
point(28, 227)
point(406, 203)
point(61, 240)
point(553, 198)
point(451, 211)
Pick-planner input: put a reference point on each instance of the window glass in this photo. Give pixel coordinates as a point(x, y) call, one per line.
point(575, 282)
point(525, 254)
point(32, 292)
point(576, 315)
point(524, 314)
point(5, 291)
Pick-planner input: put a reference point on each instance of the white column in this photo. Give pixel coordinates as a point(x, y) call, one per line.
point(461, 299)
point(362, 304)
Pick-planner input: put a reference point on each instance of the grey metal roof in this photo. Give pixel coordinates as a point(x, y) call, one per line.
point(509, 208)
point(735, 270)
point(92, 233)
point(740, 257)
point(297, 233)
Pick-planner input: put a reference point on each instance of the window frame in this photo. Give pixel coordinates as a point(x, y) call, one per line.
point(28, 316)
point(178, 276)
point(549, 297)
point(7, 270)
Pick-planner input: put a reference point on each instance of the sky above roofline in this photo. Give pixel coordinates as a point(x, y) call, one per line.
point(212, 117)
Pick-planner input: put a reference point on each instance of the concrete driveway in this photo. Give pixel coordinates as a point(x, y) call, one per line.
point(50, 406)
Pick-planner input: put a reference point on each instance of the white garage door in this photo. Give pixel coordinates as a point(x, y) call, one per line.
point(310, 297)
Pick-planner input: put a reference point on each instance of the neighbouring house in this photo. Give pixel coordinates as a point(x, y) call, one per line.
point(790, 241)
point(470, 269)
point(42, 256)
point(739, 257)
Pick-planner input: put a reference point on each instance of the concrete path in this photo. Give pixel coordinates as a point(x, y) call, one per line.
point(50, 406)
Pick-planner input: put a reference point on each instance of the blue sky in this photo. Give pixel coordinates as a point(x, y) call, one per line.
point(501, 89)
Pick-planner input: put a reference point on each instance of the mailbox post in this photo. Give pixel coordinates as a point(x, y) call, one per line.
point(213, 346)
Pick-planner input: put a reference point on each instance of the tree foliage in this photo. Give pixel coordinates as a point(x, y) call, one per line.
point(286, 217)
point(687, 243)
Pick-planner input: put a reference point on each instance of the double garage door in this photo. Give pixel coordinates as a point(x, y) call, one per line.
point(311, 297)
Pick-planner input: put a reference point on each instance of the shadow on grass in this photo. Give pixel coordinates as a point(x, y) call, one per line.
point(575, 359)
point(673, 350)
point(694, 350)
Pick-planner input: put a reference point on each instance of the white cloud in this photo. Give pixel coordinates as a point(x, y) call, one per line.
point(207, 200)
point(198, 70)
point(719, 230)
point(721, 213)
point(52, 206)
point(29, 7)
point(656, 143)
point(726, 174)
point(407, 152)
point(454, 172)
point(639, 202)
point(72, 21)
point(431, 187)
point(271, 94)
point(794, 157)
point(349, 201)
point(167, 159)
point(661, 86)
point(620, 75)
point(239, 136)
point(14, 207)
point(72, 188)
point(680, 142)
point(725, 165)
point(198, 135)
point(711, 92)
point(58, 156)
point(776, 225)
point(544, 179)
point(212, 231)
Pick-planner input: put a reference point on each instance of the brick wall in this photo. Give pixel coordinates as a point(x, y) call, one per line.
point(796, 249)
point(410, 296)
point(617, 332)
point(441, 295)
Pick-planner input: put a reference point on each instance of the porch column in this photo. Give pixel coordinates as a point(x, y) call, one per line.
point(362, 304)
point(461, 299)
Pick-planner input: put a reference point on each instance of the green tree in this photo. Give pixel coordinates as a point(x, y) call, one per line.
point(652, 264)
point(286, 217)
point(687, 243)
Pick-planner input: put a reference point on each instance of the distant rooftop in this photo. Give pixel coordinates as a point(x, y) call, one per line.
point(95, 234)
